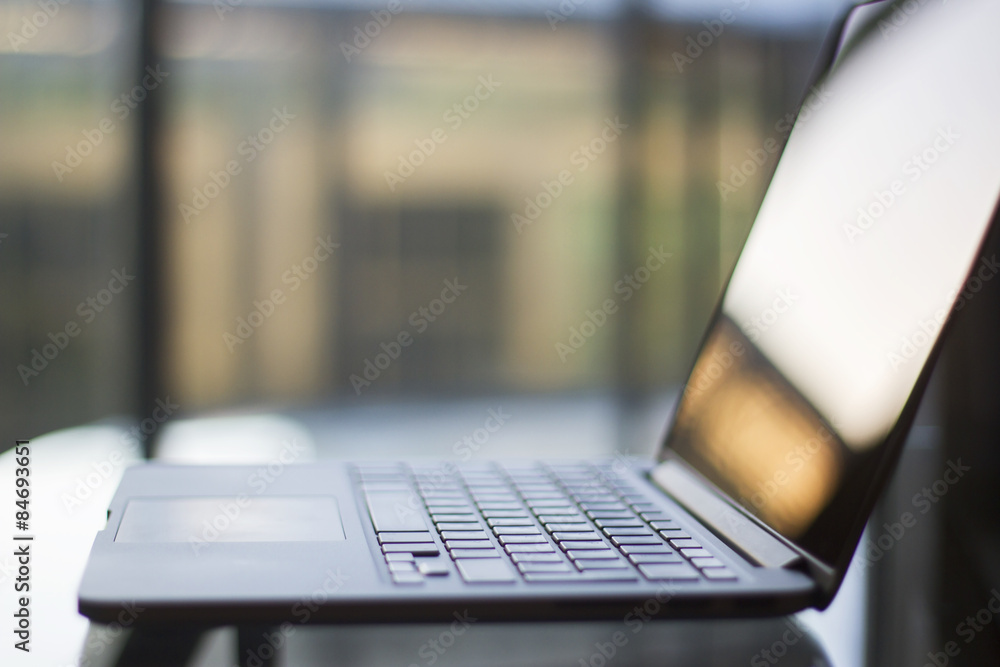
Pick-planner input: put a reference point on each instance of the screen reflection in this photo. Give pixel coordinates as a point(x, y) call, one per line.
point(869, 229)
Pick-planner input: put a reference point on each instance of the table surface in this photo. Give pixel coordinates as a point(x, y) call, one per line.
point(75, 472)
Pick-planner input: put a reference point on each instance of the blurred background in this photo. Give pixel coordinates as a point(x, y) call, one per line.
point(311, 113)
point(347, 203)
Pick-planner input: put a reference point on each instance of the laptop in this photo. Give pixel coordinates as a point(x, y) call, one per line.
point(868, 239)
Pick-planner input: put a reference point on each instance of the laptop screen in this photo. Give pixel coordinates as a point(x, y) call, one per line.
point(863, 245)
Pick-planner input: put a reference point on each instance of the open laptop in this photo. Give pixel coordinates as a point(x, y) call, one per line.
point(868, 238)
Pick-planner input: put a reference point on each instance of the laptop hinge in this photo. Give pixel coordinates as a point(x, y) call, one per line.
point(729, 523)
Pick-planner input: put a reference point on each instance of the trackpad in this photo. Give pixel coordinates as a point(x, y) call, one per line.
point(232, 519)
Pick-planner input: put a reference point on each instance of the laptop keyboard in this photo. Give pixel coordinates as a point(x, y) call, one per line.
point(541, 524)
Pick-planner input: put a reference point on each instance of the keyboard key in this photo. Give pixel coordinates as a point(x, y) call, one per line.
point(615, 530)
point(669, 572)
point(669, 524)
point(610, 514)
point(654, 516)
point(592, 536)
point(448, 502)
point(468, 544)
point(529, 548)
point(402, 566)
point(507, 514)
point(455, 518)
point(711, 561)
point(656, 558)
point(408, 578)
point(547, 577)
point(604, 506)
point(472, 527)
point(394, 511)
point(522, 539)
point(644, 507)
point(684, 543)
point(609, 575)
point(495, 497)
point(516, 530)
point(484, 571)
point(475, 553)
point(599, 564)
point(558, 511)
point(549, 502)
point(500, 506)
point(619, 523)
point(384, 538)
point(629, 549)
point(531, 566)
point(621, 540)
point(464, 535)
point(696, 553)
point(569, 545)
point(433, 569)
point(563, 519)
point(675, 534)
point(395, 557)
point(582, 528)
point(507, 521)
point(536, 558)
point(592, 554)
point(719, 574)
point(415, 549)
